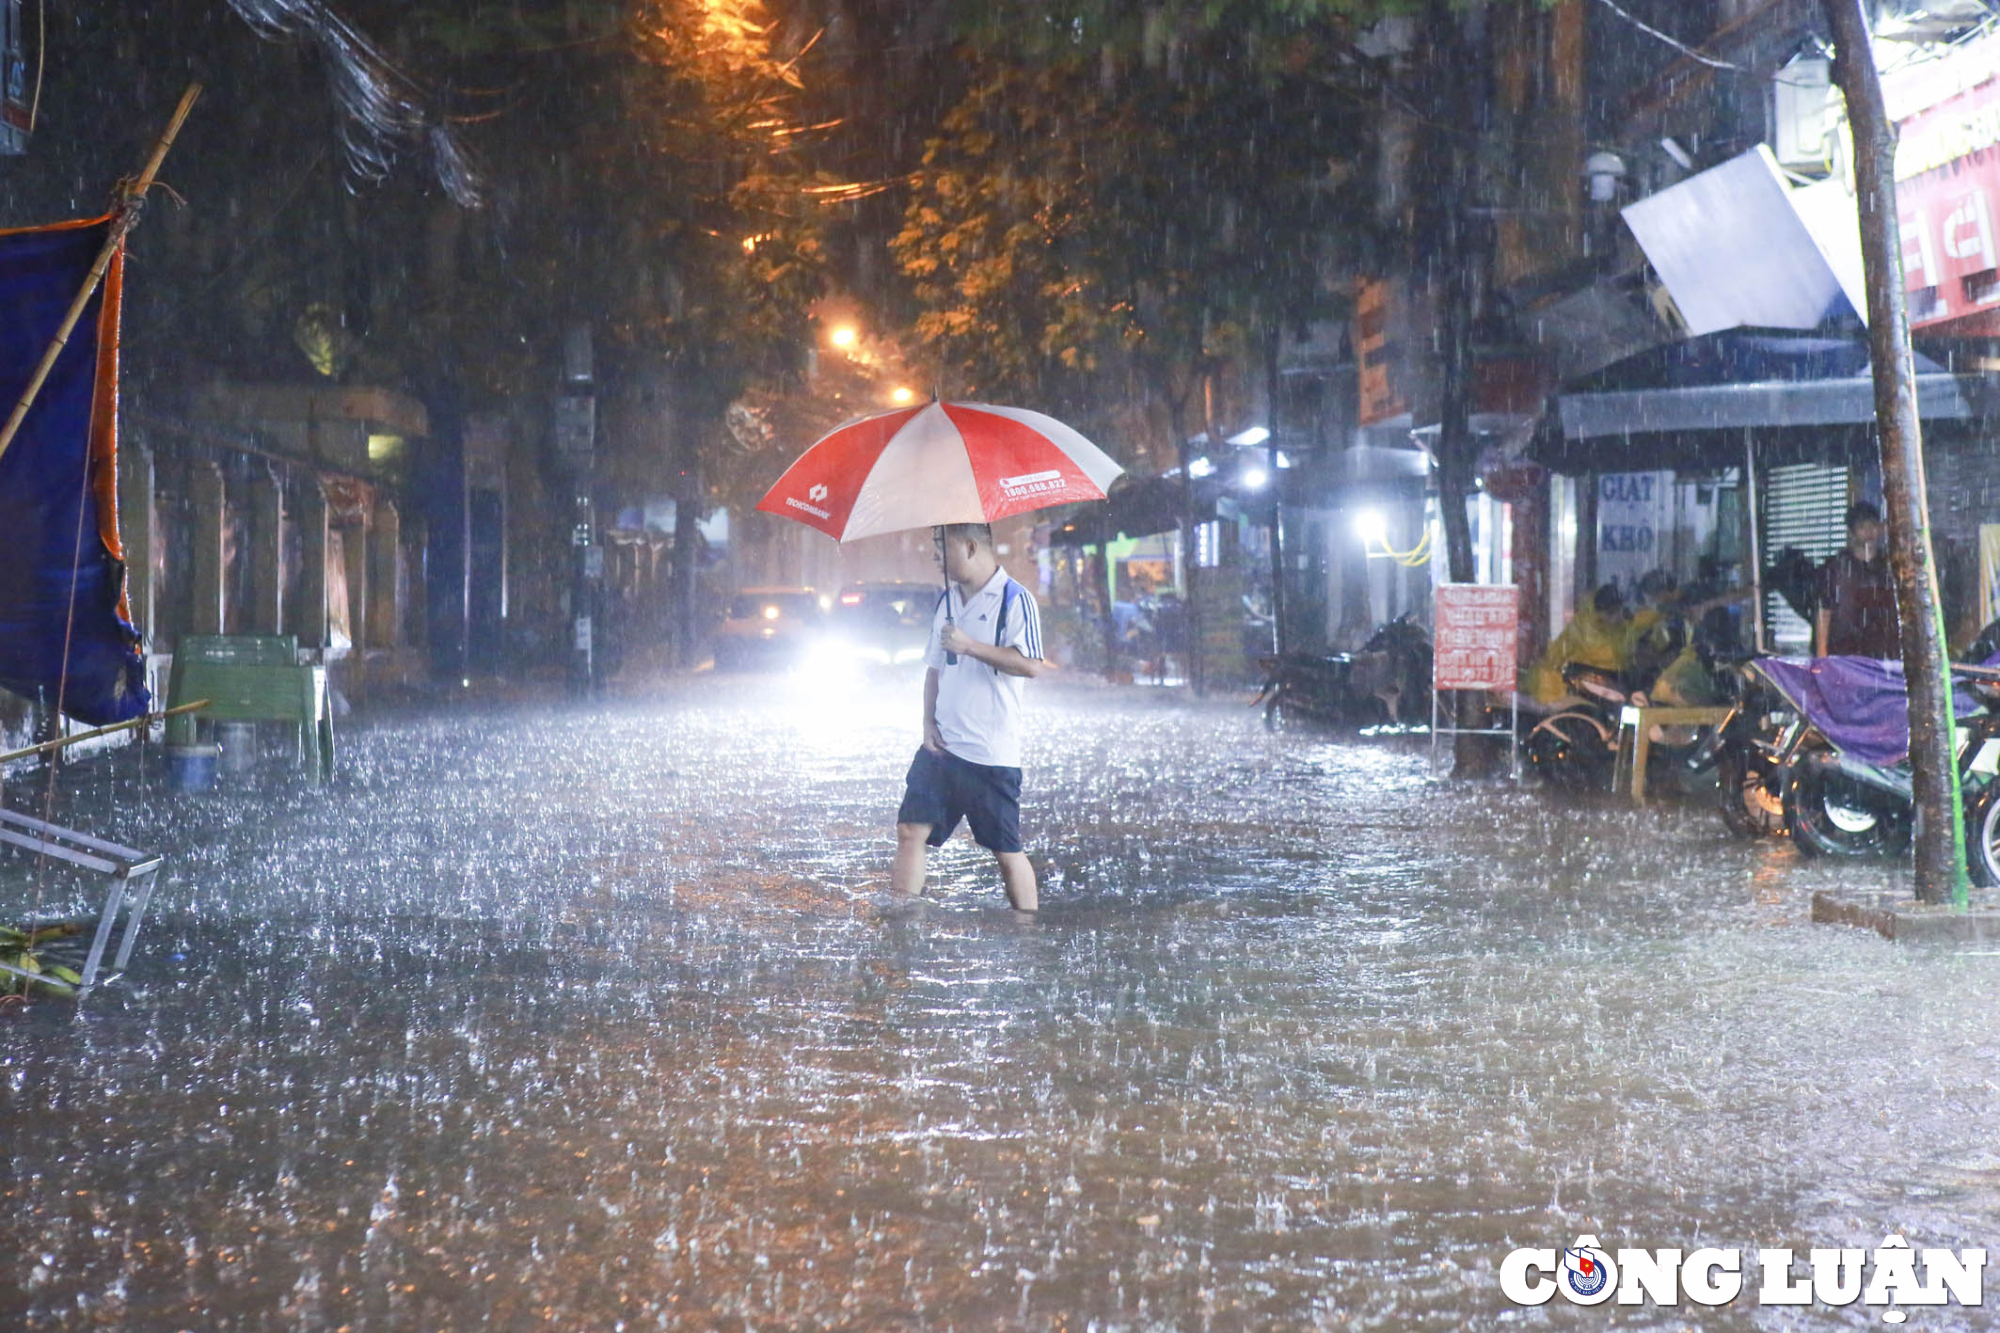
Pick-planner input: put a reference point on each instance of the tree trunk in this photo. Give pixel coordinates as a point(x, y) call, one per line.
point(1940, 844)
point(684, 599)
point(1190, 558)
point(440, 485)
point(1457, 260)
point(1457, 447)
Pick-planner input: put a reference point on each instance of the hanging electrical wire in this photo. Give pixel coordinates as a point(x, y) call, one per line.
point(1677, 44)
point(383, 110)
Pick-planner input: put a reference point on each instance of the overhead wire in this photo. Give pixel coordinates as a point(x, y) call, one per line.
point(41, 58)
point(1676, 43)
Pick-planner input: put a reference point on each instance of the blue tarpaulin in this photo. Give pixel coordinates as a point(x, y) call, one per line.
point(1858, 703)
point(62, 576)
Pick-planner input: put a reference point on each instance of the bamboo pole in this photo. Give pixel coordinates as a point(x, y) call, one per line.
point(123, 220)
point(95, 732)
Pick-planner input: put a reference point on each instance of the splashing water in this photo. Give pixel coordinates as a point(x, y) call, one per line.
point(565, 1017)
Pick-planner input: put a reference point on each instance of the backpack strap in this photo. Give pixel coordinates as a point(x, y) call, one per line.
point(1008, 595)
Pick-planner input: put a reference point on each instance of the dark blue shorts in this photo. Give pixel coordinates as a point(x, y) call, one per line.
point(942, 789)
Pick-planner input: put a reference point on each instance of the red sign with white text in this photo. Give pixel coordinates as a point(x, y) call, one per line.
point(1947, 201)
point(1477, 625)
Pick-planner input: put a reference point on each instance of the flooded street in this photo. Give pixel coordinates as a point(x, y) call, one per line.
point(577, 1017)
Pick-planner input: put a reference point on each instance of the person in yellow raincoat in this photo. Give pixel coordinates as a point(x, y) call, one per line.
point(1601, 634)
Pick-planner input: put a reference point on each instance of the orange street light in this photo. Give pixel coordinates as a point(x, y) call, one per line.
point(902, 394)
point(845, 335)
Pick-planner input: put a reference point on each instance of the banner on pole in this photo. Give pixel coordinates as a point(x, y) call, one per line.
point(64, 630)
point(1477, 624)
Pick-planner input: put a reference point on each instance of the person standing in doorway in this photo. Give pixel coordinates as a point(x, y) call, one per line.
point(986, 640)
point(1856, 616)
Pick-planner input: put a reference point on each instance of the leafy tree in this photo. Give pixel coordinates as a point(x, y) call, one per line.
point(634, 164)
point(1085, 232)
point(1067, 228)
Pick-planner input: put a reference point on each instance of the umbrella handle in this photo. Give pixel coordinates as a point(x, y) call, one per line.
point(950, 659)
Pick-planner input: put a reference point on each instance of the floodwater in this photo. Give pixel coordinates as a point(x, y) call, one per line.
point(566, 1017)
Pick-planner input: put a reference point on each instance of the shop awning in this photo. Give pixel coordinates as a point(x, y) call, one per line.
point(1940, 397)
point(1137, 508)
point(1687, 405)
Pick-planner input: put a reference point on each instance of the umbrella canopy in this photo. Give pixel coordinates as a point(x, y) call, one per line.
point(917, 467)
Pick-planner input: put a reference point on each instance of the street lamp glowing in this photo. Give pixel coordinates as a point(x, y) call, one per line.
point(845, 335)
point(1255, 477)
point(1371, 527)
point(902, 395)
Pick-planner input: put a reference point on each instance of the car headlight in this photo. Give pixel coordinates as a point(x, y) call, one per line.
point(831, 657)
point(906, 655)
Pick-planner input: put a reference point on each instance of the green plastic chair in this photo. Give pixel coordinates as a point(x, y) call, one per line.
point(253, 678)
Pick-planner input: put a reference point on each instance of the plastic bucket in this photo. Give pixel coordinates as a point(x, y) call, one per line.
point(238, 744)
point(190, 767)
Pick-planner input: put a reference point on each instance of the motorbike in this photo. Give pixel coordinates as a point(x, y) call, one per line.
point(1748, 753)
point(1841, 793)
point(1387, 680)
point(1576, 748)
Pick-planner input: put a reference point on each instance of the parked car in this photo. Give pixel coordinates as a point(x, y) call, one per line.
point(884, 624)
point(769, 627)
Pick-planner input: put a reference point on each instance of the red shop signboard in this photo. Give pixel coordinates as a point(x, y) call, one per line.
point(1948, 194)
point(1477, 627)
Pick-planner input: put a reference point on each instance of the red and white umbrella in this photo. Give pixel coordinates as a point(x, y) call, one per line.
point(917, 467)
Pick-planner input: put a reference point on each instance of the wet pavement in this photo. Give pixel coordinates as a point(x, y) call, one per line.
point(574, 1017)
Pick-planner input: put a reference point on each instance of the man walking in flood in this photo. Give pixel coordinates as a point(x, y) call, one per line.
point(1857, 602)
point(986, 640)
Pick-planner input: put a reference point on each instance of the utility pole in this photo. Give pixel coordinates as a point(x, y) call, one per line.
point(1273, 346)
point(576, 443)
point(1940, 843)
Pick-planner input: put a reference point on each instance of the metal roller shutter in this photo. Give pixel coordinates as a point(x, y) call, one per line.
point(1804, 506)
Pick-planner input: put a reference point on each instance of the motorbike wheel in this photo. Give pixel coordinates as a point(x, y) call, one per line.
point(1825, 821)
point(1747, 805)
point(1982, 839)
point(1571, 752)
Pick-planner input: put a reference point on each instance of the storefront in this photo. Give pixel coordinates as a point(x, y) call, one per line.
point(1724, 460)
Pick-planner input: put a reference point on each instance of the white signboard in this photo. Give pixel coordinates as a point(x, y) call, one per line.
point(1736, 249)
point(1634, 521)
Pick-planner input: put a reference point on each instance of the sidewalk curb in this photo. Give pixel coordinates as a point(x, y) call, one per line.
point(1906, 920)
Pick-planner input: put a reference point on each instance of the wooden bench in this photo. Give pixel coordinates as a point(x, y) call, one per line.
point(253, 678)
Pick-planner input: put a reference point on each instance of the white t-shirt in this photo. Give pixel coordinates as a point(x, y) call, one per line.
point(979, 707)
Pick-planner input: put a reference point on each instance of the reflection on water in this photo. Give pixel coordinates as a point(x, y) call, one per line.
point(580, 1019)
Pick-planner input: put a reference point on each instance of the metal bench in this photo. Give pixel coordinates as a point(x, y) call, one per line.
point(253, 678)
point(132, 875)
